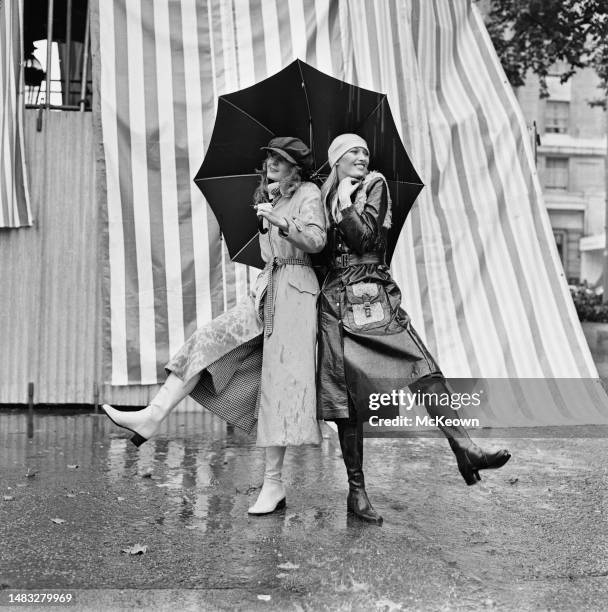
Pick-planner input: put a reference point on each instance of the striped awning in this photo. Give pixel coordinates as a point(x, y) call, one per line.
point(476, 261)
point(14, 197)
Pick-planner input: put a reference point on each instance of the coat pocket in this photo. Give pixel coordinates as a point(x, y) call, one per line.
point(305, 283)
point(367, 306)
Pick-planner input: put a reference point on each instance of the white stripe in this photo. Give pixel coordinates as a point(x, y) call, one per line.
point(589, 367)
point(403, 266)
point(247, 72)
point(20, 106)
point(535, 276)
point(116, 253)
point(272, 43)
point(8, 117)
point(297, 24)
point(244, 43)
point(496, 249)
point(230, 74)
point(12, 113)
point(361, 47)
point(346, 43)
point(449, 344)
point(477, 313)
point(323, 47)
point(196, 148)
point(141, 211)
point(166, 136)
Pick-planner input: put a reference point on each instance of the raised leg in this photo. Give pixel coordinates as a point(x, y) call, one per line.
point(145, 422)
point(470, 457)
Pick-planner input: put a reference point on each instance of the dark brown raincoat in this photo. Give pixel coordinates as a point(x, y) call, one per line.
point(366, 342)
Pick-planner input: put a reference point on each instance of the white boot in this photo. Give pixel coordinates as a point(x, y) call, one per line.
point(145, 422)
point(272, 495)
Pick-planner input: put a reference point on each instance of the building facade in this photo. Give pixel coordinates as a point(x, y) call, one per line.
point(571, 154)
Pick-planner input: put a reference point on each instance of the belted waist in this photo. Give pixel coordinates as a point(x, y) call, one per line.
point(352, 259)
point(271, 266)
point(284, 261)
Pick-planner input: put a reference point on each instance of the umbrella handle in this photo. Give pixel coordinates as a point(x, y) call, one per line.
point(261, 228)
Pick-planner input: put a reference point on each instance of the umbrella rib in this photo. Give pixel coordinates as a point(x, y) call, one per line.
point(312, 144)
point(372, 112)
point(227, 176)
point(404, 182)
point(254, 237)
point(247, 115)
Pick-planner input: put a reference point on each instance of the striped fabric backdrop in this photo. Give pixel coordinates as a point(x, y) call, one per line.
point(14, 197)
point(476, 261)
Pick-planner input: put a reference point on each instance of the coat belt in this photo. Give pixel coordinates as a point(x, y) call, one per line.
point(270, 267)
point(352, 259)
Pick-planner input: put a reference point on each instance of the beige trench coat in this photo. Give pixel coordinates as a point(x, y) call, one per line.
point(287, 410)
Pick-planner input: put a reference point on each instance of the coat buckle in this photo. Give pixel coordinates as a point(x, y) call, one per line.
point(344, 260)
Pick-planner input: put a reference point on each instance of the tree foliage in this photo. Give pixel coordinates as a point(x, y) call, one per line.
point(535, 35)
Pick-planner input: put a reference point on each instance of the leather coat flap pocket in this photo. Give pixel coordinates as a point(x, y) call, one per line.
point(367, 306)
point(361, 289)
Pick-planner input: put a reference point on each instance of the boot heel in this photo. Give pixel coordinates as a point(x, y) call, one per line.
point(138, 440)
point(470, 475)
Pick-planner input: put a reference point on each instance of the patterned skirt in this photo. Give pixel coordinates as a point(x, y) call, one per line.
point(227, 354)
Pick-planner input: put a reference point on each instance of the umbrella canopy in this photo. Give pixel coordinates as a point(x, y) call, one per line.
point(298, 101)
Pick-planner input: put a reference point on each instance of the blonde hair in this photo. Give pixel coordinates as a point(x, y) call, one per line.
point(328, 191)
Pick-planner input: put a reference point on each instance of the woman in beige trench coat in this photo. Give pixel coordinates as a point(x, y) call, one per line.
point(219, 365)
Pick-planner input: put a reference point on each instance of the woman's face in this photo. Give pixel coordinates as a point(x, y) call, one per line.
point(353, 163)
point(277, 168)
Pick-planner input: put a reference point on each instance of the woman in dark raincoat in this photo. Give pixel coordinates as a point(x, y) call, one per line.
point(366, 343)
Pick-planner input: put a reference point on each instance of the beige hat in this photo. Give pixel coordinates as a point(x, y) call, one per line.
point(343, 143)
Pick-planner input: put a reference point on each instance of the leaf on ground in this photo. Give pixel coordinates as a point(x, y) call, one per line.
point(136, 549)
point(282, 575)
point(386, 605)
point(288, 566)
point(70, 495)
point(120, 499)
point(30, 474)
point(8, 498)
point(58, 521)
point(359, 586)
point(147, 475)
point(73, 467)
point(512, 481)
point(264, 597)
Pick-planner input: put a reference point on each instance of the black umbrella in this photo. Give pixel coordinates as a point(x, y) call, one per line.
point(298, 101)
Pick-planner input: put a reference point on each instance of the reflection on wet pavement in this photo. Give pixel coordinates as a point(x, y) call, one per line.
point(210, 472)
point(185, 494)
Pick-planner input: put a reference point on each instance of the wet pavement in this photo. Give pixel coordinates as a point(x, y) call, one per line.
point(77, 494)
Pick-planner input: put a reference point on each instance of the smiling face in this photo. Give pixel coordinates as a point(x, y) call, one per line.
point(277, 168)
point(353, 163)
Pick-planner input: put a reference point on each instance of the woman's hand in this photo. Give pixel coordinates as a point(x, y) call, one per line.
point(347, 186)
point(265, 211)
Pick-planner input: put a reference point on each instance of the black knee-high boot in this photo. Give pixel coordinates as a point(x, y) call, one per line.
point(351, 443)
point(469, 456)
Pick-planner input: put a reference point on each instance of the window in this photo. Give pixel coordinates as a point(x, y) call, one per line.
point(560, 241)
point(556, 117)
point(556, 173)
